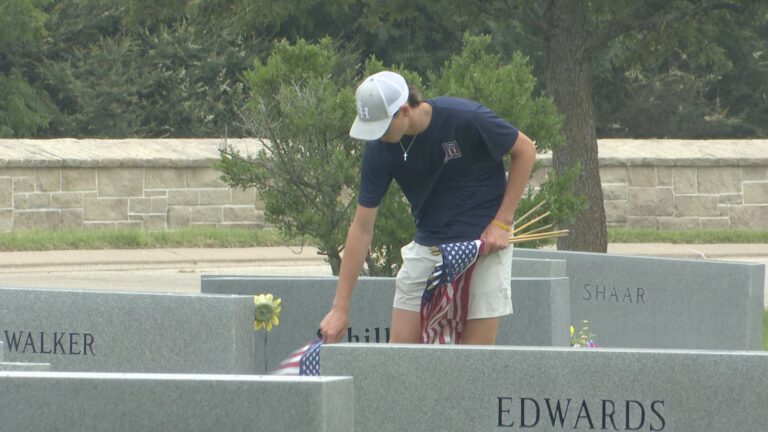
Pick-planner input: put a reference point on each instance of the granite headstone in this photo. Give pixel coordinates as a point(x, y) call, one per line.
point(461, 388)
point(540, 311)
point(646, 302)
point(77, 401)
point(94, 331)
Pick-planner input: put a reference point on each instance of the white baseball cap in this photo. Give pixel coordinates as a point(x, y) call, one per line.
point(378, 98)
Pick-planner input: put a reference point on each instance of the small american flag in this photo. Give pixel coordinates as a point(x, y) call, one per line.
point(305, 361)
point(444, 302)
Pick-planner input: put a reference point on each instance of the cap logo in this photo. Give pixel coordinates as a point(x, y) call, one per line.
point(362, 111)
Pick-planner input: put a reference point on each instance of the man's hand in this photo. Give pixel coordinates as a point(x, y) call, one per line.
point(494, 239)
point(334, 325)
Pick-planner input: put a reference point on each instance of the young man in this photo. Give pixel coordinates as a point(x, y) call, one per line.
point(447, 156)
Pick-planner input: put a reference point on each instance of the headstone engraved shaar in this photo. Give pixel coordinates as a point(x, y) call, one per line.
point(646, 302)
point(127, 332)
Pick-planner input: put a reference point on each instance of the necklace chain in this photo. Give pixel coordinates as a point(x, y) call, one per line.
point(405, 151)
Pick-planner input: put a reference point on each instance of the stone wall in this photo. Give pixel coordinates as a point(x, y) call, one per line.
point(168, 183)
point(90, 184)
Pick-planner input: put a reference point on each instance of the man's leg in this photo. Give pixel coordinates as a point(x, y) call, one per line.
point(480, 331)
point(405, 327)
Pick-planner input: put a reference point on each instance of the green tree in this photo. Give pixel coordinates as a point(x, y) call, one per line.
point(24, 106)
point(301, 103)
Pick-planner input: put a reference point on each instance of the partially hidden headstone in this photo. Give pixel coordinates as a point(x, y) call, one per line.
point(471, 388)
point(646, 302)
point(540, 311)
point(78, 401)
point(127, 332)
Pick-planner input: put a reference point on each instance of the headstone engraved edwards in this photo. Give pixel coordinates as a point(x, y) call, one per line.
point(127, 332)
point(76, 401)
point(646, 302)
point(469, 388)
point(541, 311)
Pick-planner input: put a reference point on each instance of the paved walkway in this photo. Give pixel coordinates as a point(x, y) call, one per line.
point(179, 270)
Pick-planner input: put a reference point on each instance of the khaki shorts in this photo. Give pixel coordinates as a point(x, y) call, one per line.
point(490, 294)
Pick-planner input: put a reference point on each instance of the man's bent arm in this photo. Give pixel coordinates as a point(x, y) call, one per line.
point(355, 250)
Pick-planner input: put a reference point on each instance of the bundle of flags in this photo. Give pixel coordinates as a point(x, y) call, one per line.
point(305, 361)
point(444, 303)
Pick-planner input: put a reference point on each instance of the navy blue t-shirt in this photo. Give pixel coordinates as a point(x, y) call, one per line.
point(454, 177)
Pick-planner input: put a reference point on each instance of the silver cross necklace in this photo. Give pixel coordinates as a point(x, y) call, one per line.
point(405, 151)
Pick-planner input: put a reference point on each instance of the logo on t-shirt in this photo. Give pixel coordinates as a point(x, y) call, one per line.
point(451, 150)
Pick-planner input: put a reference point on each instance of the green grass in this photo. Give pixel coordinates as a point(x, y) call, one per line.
point(765, 330)
point(139, 239)
point(624, 235)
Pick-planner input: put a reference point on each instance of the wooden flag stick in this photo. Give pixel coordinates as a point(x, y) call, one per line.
point(536, 207)
point(537, 230)
point(538, 218)
point(539, 236)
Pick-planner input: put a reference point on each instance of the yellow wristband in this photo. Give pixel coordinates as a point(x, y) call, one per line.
point(501, 225)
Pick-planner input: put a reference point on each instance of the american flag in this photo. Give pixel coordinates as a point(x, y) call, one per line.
point(444, 302)
point(305, 361)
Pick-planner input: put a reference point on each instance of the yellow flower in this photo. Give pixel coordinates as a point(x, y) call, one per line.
point(572, 331)
point(266, 312)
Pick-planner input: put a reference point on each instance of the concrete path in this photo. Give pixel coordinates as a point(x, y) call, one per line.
point(179, 270)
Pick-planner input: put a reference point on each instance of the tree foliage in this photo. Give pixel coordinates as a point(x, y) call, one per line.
point(302, 105)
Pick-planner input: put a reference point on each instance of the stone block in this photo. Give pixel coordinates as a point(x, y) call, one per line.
point(155, 193)
point(99, 225)
point(140, 205)
point(159, 204)
point(154, 222)
point(121, 182)
point(615, 191)
point(183, 197)
point(715, 223)
point(215, 197)
point(685, 180)
point(541, 312)
point(538, 177)
point(245, 197)
point(614, 175)
point(37, 201)
point(72, 218)
point(714, 180)
point(651, 202)
point(476, 388)
point(678, 223)
point(240, 214)
point(175, 402)
point(106, 209)
point(754, 173)
point(204, 178)
point(644, 302)
point(134, 225)
point(696, 205)
point(755, 192)
point(665, 176)
point(6, 220)
point(164, 178)
point(731, 199)
point(78, 179)
point(36, 220)
point(211, 214)
point(67, 200)
point(6, 192)
point(642, 176)
point(179, 217)
point(48, 179)
point(615, 211)
point(753, 217)
point(641, 222)
point(128, 332)
point(23, 184)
